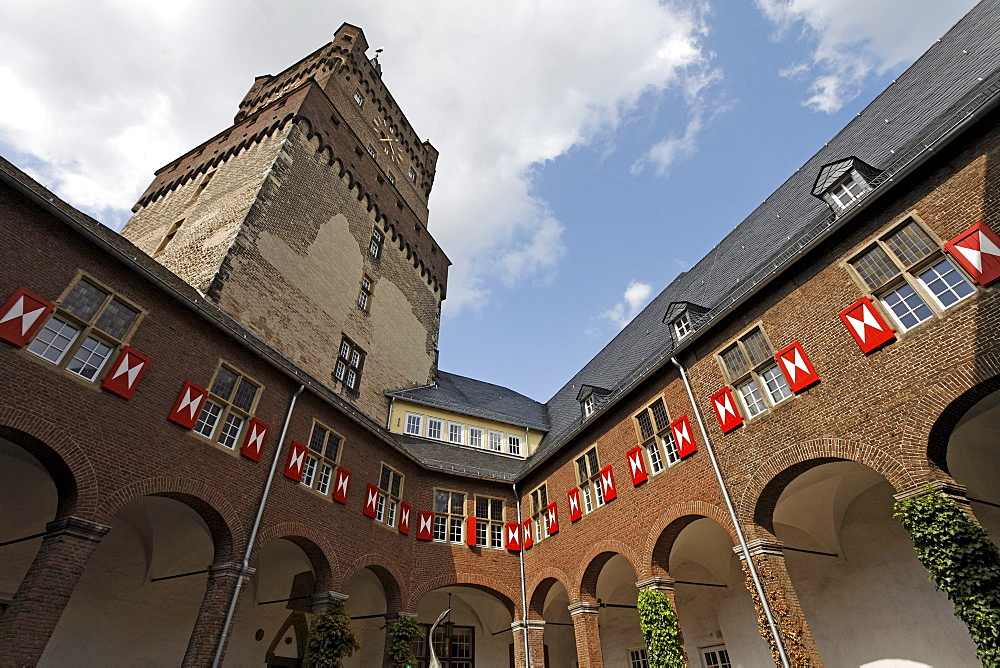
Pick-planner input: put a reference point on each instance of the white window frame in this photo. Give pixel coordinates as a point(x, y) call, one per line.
point(652, 427)
point(842, 192)
point(447, 522)
point(359, 99)
point(752, 391)
point(638, 658)
point(496, 440)
point(388, 500)
point(320, 464)
point(435, 424)
point(411, 418)
point(476, 437)
point(461, 433)
point(514, 444)
point(682, 326)
point(539, 499)
point(489, 529)
point(218, 410)
point(703, 652)
point(588, 406)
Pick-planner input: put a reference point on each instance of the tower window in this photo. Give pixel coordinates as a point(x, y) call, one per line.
point(365, 295)
point(358, 100)
point(350, 364)
point(412, 175)
point(201, 186)
point(375, 245)
point(169, 236)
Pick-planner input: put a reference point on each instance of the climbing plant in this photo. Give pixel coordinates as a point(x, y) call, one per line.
point(962, 562)
point(658, 622)
point(403, 630)
point(331, 638)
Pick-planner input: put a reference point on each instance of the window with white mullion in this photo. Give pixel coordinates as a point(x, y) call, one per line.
point(588, 499)
point(539, 501)
point(230, 433)
point(325, 475)
point(751, 397)
point(670, 448)
point(496, 536)
point(514, 444)
point(496, 441)
point(476, 437)
point(653, 426)
point(89, 358)
point(414, 424)
point(54, 340)
point(207, 419)
point(324, 451)
point(391, 486)
point(456, 433)
point(776, 384)
point(435, 427)
point(380, 510)
point(449, 516)
point(308, 471)
point(655, 458)
point(455, 531)
point(440, 528)
point(907, 307)
point(945, 283)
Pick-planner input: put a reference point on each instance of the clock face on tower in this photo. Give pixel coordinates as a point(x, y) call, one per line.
point(389, 143)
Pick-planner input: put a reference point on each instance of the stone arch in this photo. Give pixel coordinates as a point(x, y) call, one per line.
point(65, 461)
point(383, 571)
point(668, 526)
point(585, 587)
point(228, 534)
point(316, 546)
point(768, 481)
point(540, 587)
point(480, 581)
point(943, 410)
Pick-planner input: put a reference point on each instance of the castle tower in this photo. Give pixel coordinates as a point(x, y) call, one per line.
point(307, 221)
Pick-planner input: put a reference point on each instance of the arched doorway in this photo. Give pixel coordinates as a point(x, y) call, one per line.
point(480, 632)
point(714, 608)
point(372, 596)
point(609, 580)
point(149, 572)
point(550, 603)
point(855, 572)
point(973, 460)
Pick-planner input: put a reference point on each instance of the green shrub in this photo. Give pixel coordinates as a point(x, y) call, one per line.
point(660, 630)
point(963, 563)
point(331, 638)
point(403, 630)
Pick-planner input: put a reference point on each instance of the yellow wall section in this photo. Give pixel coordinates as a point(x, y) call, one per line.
point(397, 421)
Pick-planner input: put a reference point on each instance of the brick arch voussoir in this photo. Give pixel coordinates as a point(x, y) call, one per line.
point(656, 554)
point(228, 533)
point(66, 461)
point(507, 596)
point(938, 410)
point(589, 568)
point(760, 496)
point(317, 547)
point(384, 571)
point(540, 586)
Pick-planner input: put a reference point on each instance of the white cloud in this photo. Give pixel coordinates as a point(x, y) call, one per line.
point(635, 297)
point(854, 39)
point(107, 92)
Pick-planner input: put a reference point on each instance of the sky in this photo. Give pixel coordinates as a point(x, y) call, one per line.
point(590, 150)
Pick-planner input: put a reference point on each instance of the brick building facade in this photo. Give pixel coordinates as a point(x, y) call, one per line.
point(838, 349)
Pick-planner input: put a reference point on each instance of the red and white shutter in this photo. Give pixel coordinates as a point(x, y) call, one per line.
point(977, 249)
point(607, 478)
point(573, 496)
point(296, 461)
point(528, 533)
point(341, 484)
point(512, 534)
point(125, 373)
point(637, 465)
point(797, 368)
point(404, 519)
point(470, 531)
point(425, 526)
point(22, 315)
point(371, 500)
point(188, 405)
point(253, 445)
point(866, 325)
point(552, 518)
point(683, 436)
point(726, 410)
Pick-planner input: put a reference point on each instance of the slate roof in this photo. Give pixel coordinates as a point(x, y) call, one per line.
point(475, 397)
point(959, 73)
point(459, 459)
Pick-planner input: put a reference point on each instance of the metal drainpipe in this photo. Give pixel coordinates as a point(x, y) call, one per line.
point(524, 590)
point(736, 522)
point(253, 532)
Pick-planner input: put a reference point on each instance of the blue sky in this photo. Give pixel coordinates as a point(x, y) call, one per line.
point(590, 150)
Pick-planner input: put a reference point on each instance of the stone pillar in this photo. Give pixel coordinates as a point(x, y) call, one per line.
point(535, 628)
point(796, 638)
point(223, 580)
point(388, 636)
point(587, 629)
point(950, 489)
point(323, 600)
point(665, 585)
point(28, 623)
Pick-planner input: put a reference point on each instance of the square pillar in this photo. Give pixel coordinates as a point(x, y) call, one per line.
point(587, 629)
point(796, 638)
point(41, 598)
point(666, 587)
point(535, 630)
point(223, 581)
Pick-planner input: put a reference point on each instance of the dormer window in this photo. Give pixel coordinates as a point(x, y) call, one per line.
point(840, 184)
point(588, 407)
point(846, 191)
point(682, 326)
point(589, 396)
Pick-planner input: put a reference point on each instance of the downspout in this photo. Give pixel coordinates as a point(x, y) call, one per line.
point(736, 522)
point(524, 590)
point(253, 532)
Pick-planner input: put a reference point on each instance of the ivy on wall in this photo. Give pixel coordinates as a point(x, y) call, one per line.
point(658, 621)
point(963, 563)
point(790, 629)
point(331, 638)
point(403, 630)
